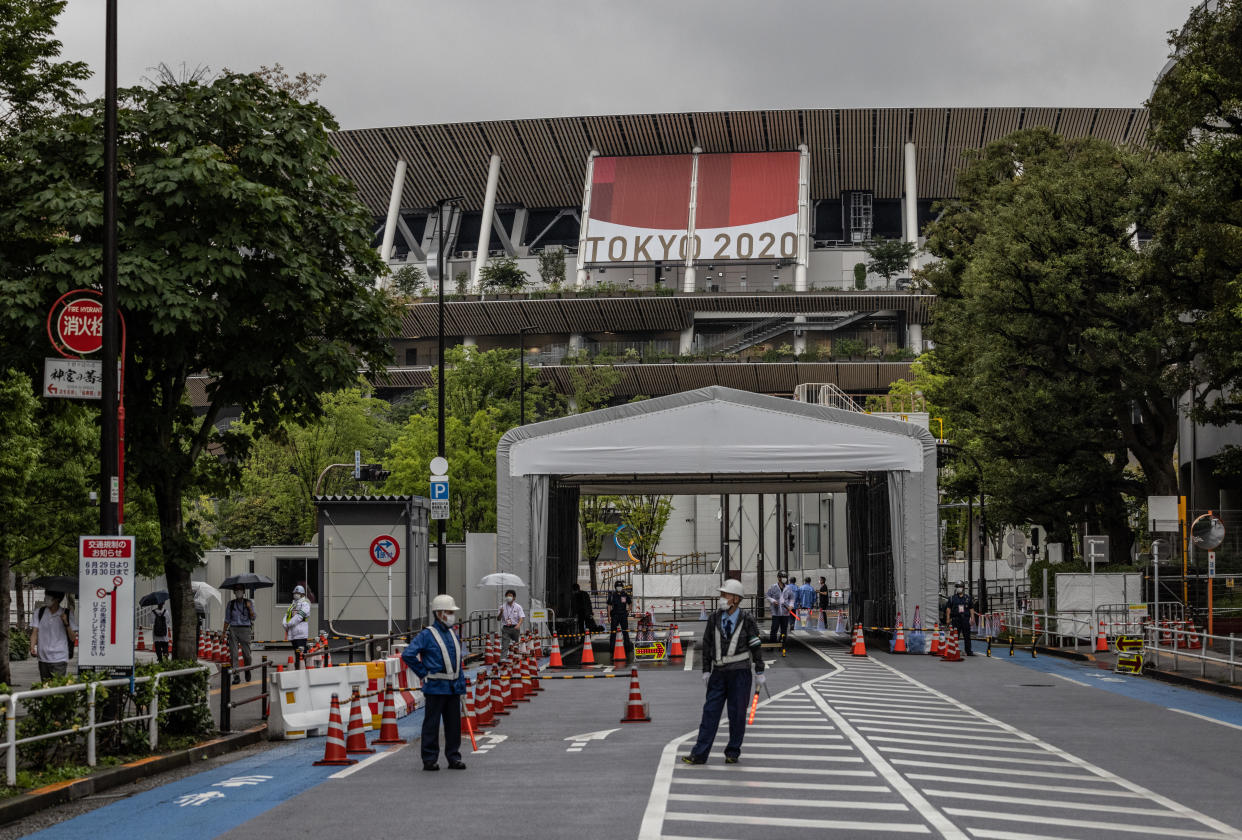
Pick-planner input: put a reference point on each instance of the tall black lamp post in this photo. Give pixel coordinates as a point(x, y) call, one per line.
point(109, 456)
point(441, 263)
point(522, 331)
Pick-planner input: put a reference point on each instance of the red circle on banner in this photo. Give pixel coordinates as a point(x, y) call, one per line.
point(80, 325)
point(385, 550)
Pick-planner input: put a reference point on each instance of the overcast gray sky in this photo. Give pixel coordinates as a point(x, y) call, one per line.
point(398, 63)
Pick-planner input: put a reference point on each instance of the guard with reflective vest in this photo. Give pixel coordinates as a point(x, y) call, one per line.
point(958, 612)
point(731, 644)
point(436, 655)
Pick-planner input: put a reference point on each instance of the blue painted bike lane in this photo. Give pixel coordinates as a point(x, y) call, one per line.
point(1181, 699)
point(216, 801)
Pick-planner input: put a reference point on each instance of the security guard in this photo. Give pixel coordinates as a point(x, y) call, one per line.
point(783, 599)
point(619, 602)
point(959, 611)
point(730, 644)
point(436, 656)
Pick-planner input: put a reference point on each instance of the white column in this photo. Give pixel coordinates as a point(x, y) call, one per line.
point(485, 224)
point(799, 344)
point(914, 336)
point(804, 221)
point(394, 211)
point(687, 283)
point(912, 201)
point(469, 341)
point(685, 343)
point(580, 279)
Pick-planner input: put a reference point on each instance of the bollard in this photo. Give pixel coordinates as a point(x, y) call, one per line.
point(226, 686)
point(267, 694)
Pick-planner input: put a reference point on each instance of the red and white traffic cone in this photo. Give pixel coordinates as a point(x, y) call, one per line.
point(388, 727)
point(523, 674)
point(952, 652)
point(506, 688)
point(554, 658)
point(635, 709)
point(497, 695)
point(468, 720)
point(532, 667)
point(588, 650)
point(142, 642)
point(860, 646)
point(618, 649)
point(356, 738)
point(934, 649)
point(674, 645)
point(1101, 640)
point(334, 751)
point(483, 716)
point(538, 647)
point(899, 643)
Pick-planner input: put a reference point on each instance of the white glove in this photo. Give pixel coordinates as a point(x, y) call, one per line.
point(761, 678)
point(706, 675)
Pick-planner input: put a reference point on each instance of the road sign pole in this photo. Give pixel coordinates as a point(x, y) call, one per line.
point(389, 627)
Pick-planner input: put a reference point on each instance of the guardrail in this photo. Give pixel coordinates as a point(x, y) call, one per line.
point(1178, 647)
point(10, 701)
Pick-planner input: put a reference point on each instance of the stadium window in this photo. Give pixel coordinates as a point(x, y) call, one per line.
point(411, 356)
point(810, 538)
point(291, 571)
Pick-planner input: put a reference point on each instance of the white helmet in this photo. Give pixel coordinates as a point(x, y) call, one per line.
point(732, 587)
point(443, 603)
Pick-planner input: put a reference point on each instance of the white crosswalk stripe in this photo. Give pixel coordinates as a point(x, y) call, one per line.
point(866, 751)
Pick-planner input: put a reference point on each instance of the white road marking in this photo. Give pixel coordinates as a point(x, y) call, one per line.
point(767, 745)
point(1026, 785)
point(689, 666)
point(800, 771)
point(788, 803)
point(791, 822)
point(745, 783)
point(787, 735)
point(366, 762)
point(974, 757)
point(992, 747)
point(975, 796)
point(839, 759)
point(790, 726)
point(1072, 680)
point(911, 724)
point(970, 768)
point(1044, 819)
point(1205, 717)
point(894, 730)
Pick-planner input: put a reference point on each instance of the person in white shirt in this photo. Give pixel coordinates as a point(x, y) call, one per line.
point(510, 617)
point(51, 639)
point(297, 622)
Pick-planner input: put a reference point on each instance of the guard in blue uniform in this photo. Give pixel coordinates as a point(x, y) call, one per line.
point(959, 611)
point(436, 655)
point(731, 644)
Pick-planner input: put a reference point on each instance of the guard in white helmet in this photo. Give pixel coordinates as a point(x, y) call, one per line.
point(436, 655)
point(731, 644)
point(297, 621)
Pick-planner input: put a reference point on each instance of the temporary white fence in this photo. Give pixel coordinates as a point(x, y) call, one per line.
point(10, 701)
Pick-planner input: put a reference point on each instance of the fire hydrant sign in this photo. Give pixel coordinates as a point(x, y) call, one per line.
point(106, 567)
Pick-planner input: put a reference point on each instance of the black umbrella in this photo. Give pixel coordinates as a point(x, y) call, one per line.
point(57, 583)
point(153, 599)
point(248, 580)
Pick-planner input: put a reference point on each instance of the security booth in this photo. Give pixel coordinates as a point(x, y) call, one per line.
point(374, 569)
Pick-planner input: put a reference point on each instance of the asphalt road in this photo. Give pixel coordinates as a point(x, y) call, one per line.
point(882, 746)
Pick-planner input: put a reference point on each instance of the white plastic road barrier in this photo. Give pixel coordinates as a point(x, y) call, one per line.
point(303, 699)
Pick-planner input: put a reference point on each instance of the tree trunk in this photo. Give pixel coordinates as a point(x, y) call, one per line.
point(591, 562)
point(179, 559)
point(19, 586)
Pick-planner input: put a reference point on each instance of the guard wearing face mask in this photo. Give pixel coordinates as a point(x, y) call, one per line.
point(731, 644)
point(436, 655)
point(619, 602)
point(959, 611)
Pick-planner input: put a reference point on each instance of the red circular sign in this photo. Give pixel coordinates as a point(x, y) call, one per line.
point(385, 550)
point(80, 325)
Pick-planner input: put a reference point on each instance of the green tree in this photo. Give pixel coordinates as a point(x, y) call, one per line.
point(241, 254)
point(502, 274)
point(591, 386)
point(645, 515)
point(860, 276)
point(595, 515)
point(410, 281)
point(32, 82)
point(1061, 359)
point(889, 257)
point(552, 266)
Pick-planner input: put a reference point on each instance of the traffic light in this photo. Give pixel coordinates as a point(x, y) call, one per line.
point(372, 472)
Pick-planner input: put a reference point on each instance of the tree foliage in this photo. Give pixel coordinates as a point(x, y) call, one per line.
point(595, 515)
point(889, 257)
point(241, 255)
point(502, 274)
point(552, 266)
point(644, 515)
point(32, 82)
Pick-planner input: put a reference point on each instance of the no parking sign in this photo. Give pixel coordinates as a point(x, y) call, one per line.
point(385, 550)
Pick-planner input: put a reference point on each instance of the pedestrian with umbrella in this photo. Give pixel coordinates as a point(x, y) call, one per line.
point(239, 617)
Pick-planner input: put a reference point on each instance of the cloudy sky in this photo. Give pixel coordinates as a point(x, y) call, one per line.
point(395, 62)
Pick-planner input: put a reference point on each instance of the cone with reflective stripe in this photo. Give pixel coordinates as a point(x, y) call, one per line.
point(482, 701)
point(538, 647)
point(506, 688)
point(202, 646)
point(588, 650)
point(356, 738)
point(934, 649)
point(635, 708)
point(334, 750)
point(952, 652)
point(899, 643)
point(840, 628)
point(1101, 641)
point(860, 647)
point(618, 649)
point(674, 645)
point(523, 672)
point(497, 694)
point(388, 727)
point(142, 642)
point(469, 721)
point(554, 658)
point(821, 626)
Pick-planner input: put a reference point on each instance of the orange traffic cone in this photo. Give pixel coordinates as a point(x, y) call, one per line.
point(860, 647)
point(523, 675)
point(618, 649)
point(588, 651)
point(554, 659)
point(356, 740)
point(202, 646)
point(674, 645)
point(468, 722)
point(497, 695)
point(1101, 641)
point(934, 649)
point(142, 642)
point(952, 653)
point(334, 751)
point(388, 727)
point(507, 687)
point(899, 643)
point(483, 716)
point(532, 667)
point(538, 647)
point(635, 709)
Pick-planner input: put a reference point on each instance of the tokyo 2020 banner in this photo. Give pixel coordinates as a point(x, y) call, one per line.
point(745, 208)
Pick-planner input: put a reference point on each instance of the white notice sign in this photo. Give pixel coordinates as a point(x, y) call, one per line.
point(80, 379)
point(106, 567)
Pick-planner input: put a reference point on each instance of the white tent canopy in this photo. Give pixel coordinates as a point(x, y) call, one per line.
point(719, 440)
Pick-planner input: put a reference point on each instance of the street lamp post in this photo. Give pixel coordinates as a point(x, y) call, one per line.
point(522, 331)
point(957, 450)
point(441, 549)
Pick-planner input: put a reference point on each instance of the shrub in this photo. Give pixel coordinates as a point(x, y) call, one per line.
point(410, 280)
point(462, 281)
point(502, 275)
point(19, 644)
point(552, 266)
point(860, 275)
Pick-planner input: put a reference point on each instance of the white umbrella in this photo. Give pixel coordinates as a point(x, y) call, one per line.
point(203, 591)
point(501, 579)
